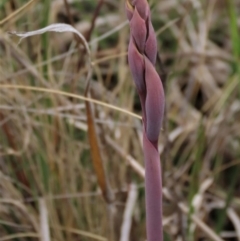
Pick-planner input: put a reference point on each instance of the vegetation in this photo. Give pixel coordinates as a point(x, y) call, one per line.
point(71, 163)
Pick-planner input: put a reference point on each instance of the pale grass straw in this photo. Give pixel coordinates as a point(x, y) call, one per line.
point(59, 92)
point(18, 12)
point(44, 223)
point(128, 213)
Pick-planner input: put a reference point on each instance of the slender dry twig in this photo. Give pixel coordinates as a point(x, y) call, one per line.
point(96, 12)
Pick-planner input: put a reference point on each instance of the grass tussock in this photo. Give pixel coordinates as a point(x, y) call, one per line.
point(72, 168)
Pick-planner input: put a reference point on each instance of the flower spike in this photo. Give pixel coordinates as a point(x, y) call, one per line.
point(142, 53)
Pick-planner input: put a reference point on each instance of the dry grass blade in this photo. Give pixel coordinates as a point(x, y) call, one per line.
point(132, 162)
point(57, 27)
point(97, 155)
point(59, 92)
point(235, 220)
point(128, 212)
point(207, 230)
point(45, 235)
point(24, 211)
point(169, 24)
point(19, 235)
point(80, 233)
point(17, 12)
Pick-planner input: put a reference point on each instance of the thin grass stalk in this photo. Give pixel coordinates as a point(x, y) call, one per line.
point(142, 54)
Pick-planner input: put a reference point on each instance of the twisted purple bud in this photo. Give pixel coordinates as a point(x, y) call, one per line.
point(142, 53)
